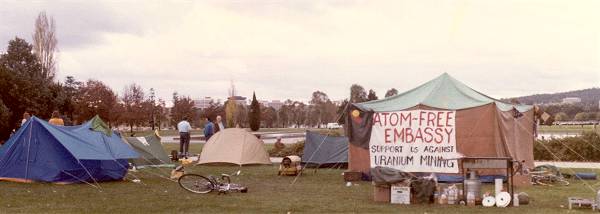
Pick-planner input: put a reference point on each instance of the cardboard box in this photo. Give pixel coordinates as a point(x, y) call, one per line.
point(352, 176)
point(400, 194)
point(381, 194)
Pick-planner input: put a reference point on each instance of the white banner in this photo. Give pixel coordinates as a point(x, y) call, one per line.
point(414, 141)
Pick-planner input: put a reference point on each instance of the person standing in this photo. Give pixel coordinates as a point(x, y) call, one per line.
point(184, 128)
point(26, 117)
point(209, 129)
point(56, 120)
point(219, 124)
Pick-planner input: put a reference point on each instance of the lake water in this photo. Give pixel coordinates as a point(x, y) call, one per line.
point(549, 135)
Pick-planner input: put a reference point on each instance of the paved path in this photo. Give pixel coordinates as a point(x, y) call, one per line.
point(173, 139)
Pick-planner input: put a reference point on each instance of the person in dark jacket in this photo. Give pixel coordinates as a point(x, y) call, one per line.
point(209, 129)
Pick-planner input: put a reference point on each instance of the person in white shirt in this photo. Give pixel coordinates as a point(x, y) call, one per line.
point(219, 124)
point(184, 128)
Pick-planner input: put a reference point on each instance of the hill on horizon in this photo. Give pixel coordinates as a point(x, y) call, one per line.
point(589, 96)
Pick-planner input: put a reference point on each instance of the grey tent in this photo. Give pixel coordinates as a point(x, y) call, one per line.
point(322, 149)
point(150, 150)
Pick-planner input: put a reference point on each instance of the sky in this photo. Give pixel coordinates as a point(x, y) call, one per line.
point(289, 49)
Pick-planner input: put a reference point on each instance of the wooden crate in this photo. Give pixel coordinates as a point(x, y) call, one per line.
point(381, 194)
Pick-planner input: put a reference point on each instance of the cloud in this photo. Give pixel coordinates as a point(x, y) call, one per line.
point(288, 49)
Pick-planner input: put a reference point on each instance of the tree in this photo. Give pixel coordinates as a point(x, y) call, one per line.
point(299, 113)
point(153, 105)
point(182, 107)
point(240, 118)
point(582, 116)
point(318, 107)
point(561, 116)
point(5, 126)
point(45, 44)
point(213, 110)
point(357, 94)
point(284, 115)
point(23, 85)
point(70, 89)
point(136, 107)
point(230, 110)
point(391, 92)
point(372, 95)
point(269, 117)
point(161, 113)
point(96, 98)
point(341, 110)
point(254, 115)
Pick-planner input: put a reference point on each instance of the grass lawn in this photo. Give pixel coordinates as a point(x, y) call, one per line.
point(323, 192)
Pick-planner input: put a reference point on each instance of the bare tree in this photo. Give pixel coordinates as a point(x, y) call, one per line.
point(44, 44)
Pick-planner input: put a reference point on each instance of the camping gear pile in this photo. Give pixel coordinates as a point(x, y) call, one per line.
point(421, 188)
point(290, 166)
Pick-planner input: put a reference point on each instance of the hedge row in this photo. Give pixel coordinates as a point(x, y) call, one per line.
point(581, 148)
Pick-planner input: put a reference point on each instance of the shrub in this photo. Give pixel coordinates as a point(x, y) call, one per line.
point(290, 149)
point(581, 148)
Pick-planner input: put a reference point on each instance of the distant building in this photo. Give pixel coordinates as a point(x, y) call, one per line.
point(264, 103)
point(204, 102)
point(571, 100)
point(239, 100)
point(276, 104)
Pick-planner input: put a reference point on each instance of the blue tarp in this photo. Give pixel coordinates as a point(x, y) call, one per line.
point(40, 151)
point(459, 178)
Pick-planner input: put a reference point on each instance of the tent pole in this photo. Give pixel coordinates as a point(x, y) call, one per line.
point(28, 149)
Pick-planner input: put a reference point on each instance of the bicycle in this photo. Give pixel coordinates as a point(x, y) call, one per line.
point(200, 184)
point(548, 175)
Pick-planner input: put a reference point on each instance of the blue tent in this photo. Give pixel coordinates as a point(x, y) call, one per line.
point(323, 149)
point(43, 152)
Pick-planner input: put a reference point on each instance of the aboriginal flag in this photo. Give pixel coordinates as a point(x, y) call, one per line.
point(359, 123)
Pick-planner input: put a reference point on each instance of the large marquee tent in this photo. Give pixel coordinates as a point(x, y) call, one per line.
point(484, 126)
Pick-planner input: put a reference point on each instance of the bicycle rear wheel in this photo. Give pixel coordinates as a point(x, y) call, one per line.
point(196, 183)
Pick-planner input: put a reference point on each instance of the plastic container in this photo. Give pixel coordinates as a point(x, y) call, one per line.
point(473, 185)
point(470, 199)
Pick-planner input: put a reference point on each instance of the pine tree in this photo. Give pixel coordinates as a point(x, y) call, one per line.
point(254, 116)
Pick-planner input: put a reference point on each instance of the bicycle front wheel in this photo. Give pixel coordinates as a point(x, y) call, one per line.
point(196, 183)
